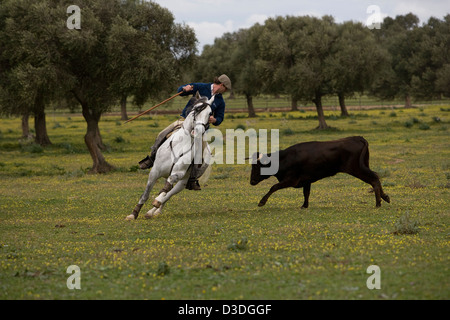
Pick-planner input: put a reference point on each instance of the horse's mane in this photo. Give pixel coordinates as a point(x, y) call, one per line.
point(194, 101)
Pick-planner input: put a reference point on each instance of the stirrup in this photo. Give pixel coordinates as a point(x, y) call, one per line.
point(146, 163)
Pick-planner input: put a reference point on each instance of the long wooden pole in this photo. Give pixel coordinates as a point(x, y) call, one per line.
point(154, 107)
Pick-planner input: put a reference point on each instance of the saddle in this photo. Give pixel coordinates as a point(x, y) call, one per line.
point(162, 137)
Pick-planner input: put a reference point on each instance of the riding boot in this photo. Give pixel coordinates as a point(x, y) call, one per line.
point(193, 183)
point(148, 161)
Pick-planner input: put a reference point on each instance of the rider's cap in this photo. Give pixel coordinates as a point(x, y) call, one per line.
point(226, 81)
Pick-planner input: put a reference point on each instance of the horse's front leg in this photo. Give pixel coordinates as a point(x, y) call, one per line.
point(165, 196)
point(180, 170)
point(162, 199)
point(154, 212)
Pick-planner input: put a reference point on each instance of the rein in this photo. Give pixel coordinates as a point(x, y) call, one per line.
point(195, 111)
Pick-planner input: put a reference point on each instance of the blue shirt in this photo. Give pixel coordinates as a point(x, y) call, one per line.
point(218, 106)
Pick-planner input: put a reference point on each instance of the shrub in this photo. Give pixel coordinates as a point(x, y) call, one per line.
point(163, 269)
point(238, 245)
point(288, 132)
point(383, 172)
point(134, 168)
point(119, 139)
point(405, 226)
point(32, 148)
point(57, 125)
point(221, 176)
point(437, 119)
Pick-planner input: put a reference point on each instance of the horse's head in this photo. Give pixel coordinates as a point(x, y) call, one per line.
point(200, 113)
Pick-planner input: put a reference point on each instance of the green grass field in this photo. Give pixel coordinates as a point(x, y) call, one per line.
point(217, 243)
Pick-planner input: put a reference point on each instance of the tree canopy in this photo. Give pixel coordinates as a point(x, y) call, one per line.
point(130, 48)
point(308, 58)
point(123, 48)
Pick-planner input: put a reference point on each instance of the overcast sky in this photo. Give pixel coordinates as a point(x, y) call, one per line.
point(212, 18)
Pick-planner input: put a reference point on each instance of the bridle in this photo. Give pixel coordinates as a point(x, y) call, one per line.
point(197, 111)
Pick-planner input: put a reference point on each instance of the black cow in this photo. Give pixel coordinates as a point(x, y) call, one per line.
point(302, 164)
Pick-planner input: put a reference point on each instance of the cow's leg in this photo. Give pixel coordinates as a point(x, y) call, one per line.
point(370, 177)
point(306, 192)
point(153, 176)
point(276, 187)
point(376, 185)
point(383, 195)
point(378, 189)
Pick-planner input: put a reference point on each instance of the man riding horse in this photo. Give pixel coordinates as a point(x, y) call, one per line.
point(220, 85)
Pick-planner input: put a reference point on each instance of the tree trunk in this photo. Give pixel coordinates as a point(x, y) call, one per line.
point(318, 102)
point(408, 101)
point(251, 109)
point(93, 142)
point(123, 108)
point(344, 111)
point(25, 126)
point(40, 125)
point(294, 104)
point(99, 140)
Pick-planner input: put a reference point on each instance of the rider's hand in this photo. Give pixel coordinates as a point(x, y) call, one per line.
point(212, 119)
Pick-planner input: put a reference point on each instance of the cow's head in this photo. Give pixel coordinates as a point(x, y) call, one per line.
point(259, 161)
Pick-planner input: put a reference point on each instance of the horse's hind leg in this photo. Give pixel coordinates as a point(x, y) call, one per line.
point(144, 197)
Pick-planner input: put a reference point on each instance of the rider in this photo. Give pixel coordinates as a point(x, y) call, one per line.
point(220, 85)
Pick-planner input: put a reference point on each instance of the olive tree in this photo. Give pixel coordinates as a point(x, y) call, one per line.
point(118, 52)
point(28, 77)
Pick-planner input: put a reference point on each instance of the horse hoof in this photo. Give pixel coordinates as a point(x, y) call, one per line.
point(156, 203)
point(150, 215)
point(131, 217)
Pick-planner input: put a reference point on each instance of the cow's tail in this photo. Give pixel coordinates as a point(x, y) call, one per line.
point(364, 160)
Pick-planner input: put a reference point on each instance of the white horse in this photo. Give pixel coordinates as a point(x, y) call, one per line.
point(175, 158)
